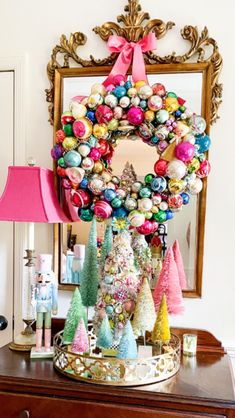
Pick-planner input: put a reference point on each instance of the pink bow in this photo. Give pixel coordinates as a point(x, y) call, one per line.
point(129, 50)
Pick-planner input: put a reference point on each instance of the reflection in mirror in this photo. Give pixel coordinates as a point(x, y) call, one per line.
point(184, 226)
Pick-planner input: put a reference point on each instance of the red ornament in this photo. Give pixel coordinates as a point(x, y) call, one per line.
point(61, 171)
point(160, 167)
point(60, 135)
point(181, 101)
point(103, 146)
point(103, 114)
point(67, 117)
point(80, 198)
point(159, 89)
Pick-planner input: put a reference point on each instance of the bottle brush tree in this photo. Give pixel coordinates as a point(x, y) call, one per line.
point(75, 313)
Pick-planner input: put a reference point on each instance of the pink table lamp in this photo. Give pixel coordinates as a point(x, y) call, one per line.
point(29, 196)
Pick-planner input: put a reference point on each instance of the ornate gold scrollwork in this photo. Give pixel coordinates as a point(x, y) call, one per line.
point(133, 29)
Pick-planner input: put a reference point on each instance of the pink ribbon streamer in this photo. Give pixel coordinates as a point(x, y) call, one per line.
point(130, 51)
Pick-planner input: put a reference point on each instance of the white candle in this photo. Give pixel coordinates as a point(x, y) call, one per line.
point(31, 236)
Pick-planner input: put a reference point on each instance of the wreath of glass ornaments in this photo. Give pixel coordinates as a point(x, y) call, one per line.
point(92, 128)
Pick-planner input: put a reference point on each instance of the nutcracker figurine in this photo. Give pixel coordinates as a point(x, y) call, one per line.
point(44, 299)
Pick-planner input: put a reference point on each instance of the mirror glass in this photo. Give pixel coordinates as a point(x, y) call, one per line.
point(188, 84)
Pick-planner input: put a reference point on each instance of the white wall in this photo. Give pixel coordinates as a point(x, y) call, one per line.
point(32, 29)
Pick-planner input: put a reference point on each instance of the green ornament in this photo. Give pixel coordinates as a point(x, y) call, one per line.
point(182, 108)
point(86, 215)
point(148, 178)
point(68, 129)
point(160, 216)
point(116, 202)
point(171, 94)
point(61, 162)
point(171, 135)
point(145, 192)
point(193, 165)
point(113, 125)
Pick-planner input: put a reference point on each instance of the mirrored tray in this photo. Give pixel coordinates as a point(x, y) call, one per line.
point(149, 367)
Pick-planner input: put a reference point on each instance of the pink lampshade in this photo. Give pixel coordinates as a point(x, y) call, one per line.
point(30, 196)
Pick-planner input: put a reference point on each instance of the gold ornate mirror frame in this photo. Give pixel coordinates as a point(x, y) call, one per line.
point(203, 55)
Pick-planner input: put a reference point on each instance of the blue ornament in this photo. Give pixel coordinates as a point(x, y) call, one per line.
point(120, 212)
point(158, 184)
point(143, 104)
point(178, 113)
point(109, 194)
point(109, 309)
point(128, 84)
point(185, 197)
point(84, 183)
point(203, 142)
point(92, 141)
point(72, 159)
point(91, 115)
point(169, 215)
point(145, 192)
point(119, 92)
point(154, 140)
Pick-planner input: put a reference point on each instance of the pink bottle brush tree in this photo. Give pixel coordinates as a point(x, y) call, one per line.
point(180, 265)
point(80, 342)
point(169, 283)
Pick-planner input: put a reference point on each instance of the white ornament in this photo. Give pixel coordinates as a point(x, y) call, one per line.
point(145, 204)
point(196, 186)
point(176, 169)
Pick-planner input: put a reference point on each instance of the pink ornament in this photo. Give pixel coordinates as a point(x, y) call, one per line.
point(110, 87)
point(82, 128)
point(80, 198)
point(117, 79)
point(185, 151)
point(154, 226)
point(65, 183)
point(103, 114)
point(135, 115)
point(102, 209)
point(162, 145)
point(120, 325)
point(204, 169)
point(146, 228)
point(95, 154)
point(175, 201)
point(160, 167)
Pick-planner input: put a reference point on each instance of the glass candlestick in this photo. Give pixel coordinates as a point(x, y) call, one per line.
point(189, 344)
